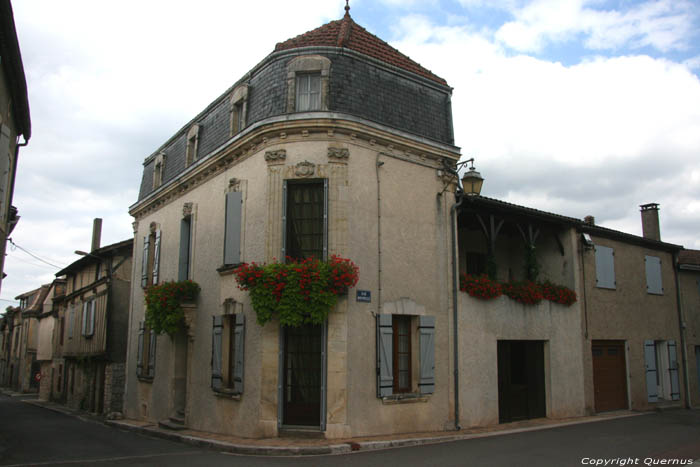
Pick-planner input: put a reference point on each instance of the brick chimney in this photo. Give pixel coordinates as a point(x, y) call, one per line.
point(96, 233)
point(590, 220)
point(650, 221)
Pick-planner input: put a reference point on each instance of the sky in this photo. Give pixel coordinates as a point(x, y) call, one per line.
point(577, 107)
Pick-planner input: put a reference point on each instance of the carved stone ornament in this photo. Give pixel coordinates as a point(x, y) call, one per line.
point(153, 227)
point(135, 226)
point(305, 169)
point(276, 156)
point(234, 184)
point(338, 154)
point(187, 210)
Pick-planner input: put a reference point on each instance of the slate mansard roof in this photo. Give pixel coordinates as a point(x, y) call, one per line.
point(368, 80)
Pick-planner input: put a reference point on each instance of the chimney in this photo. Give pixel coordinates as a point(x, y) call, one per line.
point(650, 221)
point(590, 220)
point(96, 233)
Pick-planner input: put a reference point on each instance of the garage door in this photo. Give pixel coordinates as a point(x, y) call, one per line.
point(609, 375)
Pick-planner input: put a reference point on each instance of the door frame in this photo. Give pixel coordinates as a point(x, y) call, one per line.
point(324, 379)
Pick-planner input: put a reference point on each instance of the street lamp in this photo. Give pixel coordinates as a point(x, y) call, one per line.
point(472, 180)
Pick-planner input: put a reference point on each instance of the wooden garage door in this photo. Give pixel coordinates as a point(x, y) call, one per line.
point(609, 375)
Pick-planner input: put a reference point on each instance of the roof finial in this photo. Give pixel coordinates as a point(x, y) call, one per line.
point(347, 7)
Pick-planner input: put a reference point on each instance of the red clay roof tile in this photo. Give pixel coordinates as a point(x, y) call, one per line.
point(346, 33)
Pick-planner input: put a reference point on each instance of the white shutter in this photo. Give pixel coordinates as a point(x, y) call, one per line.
point(673, 371)
point(156, 257)
point(144, 263)
point(426, 340)
point(239, 349)
point(385, 376)
point(139, 352)
point(650, 365)
point(216, 370)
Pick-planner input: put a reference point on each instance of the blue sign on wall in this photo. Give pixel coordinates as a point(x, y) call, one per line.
point(364, 296)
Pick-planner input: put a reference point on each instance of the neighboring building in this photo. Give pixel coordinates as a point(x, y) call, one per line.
point(91, 329)
point(689, 278)
point(14, 122)
point(617, 347)
point(333, 144)
point(12, 335)
point(45, 346)
point(30, 307)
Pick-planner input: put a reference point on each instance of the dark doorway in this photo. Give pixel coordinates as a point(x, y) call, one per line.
point(609, 375)
point(521, 391)
point(302, 375)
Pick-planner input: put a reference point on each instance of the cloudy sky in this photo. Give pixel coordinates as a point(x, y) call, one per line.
point(571, 106)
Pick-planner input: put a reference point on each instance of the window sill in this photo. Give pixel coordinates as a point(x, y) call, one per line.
point(145, 379)
point(227, 394)
point(227, 269)
point(407, 398)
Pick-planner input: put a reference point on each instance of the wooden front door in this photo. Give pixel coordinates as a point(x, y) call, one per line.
point(609, 375)
point(302, 377)
point(521, 391)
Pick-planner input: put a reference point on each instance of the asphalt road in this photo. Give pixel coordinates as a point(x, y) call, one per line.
point(31, 435)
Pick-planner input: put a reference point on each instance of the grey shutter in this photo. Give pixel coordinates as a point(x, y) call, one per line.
point(239, 336)
point(144, 262)
point(284, 221)
point(156, 257)
point(652, 265)
point(184, 262)
point(152, 355)
point(604, 267)
point(650, 364)
point(91, 330)
point(5, 157)
point(139, 353)
point(385, 376)
point(673, 371)
point(232, 232)
point(426, 341)
point(325, 219)
point(216, 376)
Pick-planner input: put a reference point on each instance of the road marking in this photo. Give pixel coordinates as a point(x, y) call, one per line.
point(105, 459)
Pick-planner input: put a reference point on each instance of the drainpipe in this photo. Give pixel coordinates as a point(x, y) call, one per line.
point(379, 237)
point(681, 328)
point(455, 288)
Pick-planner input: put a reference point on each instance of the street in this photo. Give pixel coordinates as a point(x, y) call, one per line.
point(32, 435)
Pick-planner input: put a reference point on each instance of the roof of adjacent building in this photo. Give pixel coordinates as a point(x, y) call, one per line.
point(14, 70)
point(348, 34)
point(689, 257)
point(578, 224)
point(37, 297)
point(94, 255)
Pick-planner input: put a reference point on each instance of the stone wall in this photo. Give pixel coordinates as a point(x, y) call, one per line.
point(115, 379)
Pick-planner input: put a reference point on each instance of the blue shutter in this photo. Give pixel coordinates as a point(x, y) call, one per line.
point(239, 336)
point(650, 365)
point(385, 377)
point(184, 262)
point(152, 354)
point(604, 267)
point(86, 317)
point(144, 262)
point(216, 376)
point(139, 352)
point(156, 257)
point(232, 232)
point(426, 341)
point(652, 265)
point(673, 371)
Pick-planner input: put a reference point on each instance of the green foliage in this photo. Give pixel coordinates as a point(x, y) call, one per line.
point(491, 267)
point(531, 266)
point(298, 292)
point(163, 310)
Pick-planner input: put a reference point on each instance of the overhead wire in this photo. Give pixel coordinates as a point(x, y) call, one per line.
point(32, 254)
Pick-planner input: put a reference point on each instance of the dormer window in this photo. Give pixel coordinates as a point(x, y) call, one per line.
point(307, 83)
point(308, 92)
point(239, 108)
point(192, 143)
point(158, 170)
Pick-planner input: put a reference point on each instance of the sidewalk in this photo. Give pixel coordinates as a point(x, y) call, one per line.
point(308, 446)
